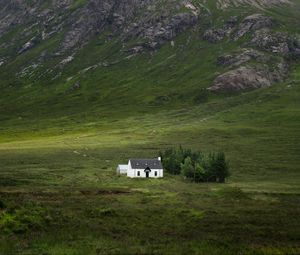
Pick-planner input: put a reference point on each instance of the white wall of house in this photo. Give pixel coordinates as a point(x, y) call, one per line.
point(130, 171)
point(140, 173)
point(122, 169)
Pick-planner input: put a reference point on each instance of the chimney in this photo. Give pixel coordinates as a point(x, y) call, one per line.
point(159, 158)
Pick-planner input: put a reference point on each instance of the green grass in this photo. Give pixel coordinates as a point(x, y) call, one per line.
point(79, 205)
point(59, 193)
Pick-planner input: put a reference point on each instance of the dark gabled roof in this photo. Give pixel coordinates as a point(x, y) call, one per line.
point(144, 163)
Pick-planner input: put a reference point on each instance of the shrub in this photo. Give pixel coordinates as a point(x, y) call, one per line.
point(202, 96)
point(21, 220)
point(107, 212)
point(2, 205)
point(232, 193)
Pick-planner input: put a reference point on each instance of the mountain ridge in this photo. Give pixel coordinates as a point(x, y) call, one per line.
point(60, 52)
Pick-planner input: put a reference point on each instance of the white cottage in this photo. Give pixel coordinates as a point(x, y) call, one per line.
point(142, 168)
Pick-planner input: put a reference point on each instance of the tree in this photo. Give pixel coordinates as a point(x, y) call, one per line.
point(219, 168)
point(187, 168)
point(195, 165)
point(172, 159)
point(170, 162)
point(211, 168)
point(200, 173)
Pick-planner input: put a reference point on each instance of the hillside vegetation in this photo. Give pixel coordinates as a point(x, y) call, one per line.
point(85, 85)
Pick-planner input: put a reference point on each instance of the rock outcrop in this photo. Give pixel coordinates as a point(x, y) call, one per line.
point(253, 23)
point(155, 32)
point(235, 31)
point(214, 35)
point(237, 59)
point(241, 79)
point(224, 4)
point(276, 42)
point(152, 28)
point(264, 41)
point(248, 78)
point(144, 26)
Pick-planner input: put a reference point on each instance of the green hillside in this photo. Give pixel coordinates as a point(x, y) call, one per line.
point(65, 127)
point(112, 86)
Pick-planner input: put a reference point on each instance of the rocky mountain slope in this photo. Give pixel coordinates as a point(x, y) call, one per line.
point(250, 44)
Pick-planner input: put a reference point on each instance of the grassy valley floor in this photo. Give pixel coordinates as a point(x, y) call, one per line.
point(60, 193)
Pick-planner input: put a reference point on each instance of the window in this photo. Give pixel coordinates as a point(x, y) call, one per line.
point(138, 173)
point(155, 173)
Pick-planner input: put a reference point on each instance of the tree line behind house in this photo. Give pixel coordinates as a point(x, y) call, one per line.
point(195, 165)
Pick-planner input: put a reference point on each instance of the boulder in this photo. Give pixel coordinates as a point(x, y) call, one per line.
point(74, 87)
point(135, 50)
point(27, 46)
point(243, 78)
point(2, 61)
point(232, 21)
point(248, 78)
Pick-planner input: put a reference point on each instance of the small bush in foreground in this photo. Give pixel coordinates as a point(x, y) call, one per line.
point(2, 205)
point(195, 165)
point(21, 220)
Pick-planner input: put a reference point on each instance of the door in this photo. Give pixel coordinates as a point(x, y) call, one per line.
point(147, 174)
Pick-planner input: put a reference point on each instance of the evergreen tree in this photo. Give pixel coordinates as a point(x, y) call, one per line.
point(196, 166)
point(211, 168)
point(200, 173)
point(221, 167)
point(187, 168)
